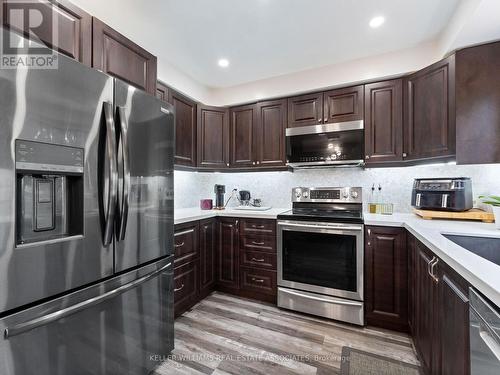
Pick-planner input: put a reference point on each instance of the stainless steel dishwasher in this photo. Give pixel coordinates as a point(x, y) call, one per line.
point(484, 336)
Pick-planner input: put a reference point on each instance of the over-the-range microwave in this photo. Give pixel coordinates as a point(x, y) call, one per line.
point(334, 144)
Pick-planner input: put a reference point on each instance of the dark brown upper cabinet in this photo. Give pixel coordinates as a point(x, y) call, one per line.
point(243, 143)
point(384, 122)
point(478, 104)
point(305, 110)
point(213, 137)
point(386, 283)
point(162, 92)
point(118, 56)
point(185, 129)
point(74, 37)
point(271, 118)
point(429, 124)
point(343, 104)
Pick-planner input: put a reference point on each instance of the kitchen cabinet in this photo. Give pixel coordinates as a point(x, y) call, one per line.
point(243, 136)
point(185, 129)
point(305, 110)
point(386, 281)
point(440, 316)
point(478, 104)
point(345, 104)
point(162, 92)
point(118, 56)
point(270, 140)
point(74, 36)
point(228, 255)
point(429, 102)
point(208, 243)
point(384, 122)
point(213, 137)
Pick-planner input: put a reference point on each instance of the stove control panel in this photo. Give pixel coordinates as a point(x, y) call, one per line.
point(327, 195)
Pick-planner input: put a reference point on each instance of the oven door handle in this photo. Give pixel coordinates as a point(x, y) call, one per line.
point(319, 226)
point(334, 302)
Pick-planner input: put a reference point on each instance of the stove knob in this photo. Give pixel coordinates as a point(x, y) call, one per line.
point(298, 193)
point(305, 194)
point(345, 194)
point(354, 194)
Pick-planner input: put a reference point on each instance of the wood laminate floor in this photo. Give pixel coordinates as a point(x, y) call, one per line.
point(224, 334)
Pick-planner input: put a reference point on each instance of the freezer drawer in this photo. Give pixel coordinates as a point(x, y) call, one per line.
point(123, 326)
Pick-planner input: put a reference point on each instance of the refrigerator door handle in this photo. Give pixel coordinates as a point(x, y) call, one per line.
point(112, 178)
point(125, 162)
point(63, 313)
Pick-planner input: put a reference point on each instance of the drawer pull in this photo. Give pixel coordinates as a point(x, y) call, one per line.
point(258, 226)
point(178, 289)
point(258, 243)
point(177, 245)
point(257, 260)
point(257, 280)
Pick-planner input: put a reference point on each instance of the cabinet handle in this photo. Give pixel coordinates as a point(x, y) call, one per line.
point(177, 289)
point(325, 120)
point(177, 245)
point(257, 260)
point(253, 163)
point(227, 164)
point(369, 243)
point(320, 120)
point(433, 275)
point(257, 280)
point(367, 157)
point(405, 154)
point(258, 226)
point(237, 226)
point(258, 243)
point(369, 232)
point(258, 162)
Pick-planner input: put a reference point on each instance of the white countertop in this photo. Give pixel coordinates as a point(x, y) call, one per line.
point(479, 272)
point(185, 215)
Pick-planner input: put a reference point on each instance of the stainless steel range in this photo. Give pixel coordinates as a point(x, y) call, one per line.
point(320, 253)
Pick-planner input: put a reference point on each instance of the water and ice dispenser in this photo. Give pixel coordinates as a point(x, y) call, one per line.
point(49, 191)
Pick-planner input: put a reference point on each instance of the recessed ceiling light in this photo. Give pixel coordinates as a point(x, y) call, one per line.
point(223, 63)
point(377, 21)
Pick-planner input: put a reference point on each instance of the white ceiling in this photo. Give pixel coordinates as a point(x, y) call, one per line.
point(267, 38)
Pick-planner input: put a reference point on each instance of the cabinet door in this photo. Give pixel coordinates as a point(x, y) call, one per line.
point(185, 129)
point(185, 286)
point(305, 110)
point(162, 92)
point(478, 123)
point(120, 57)
point(213, 137)
point(74, 36)
point(343, 104)
point(242, 136)
point(425, 295)
point(208, 240)
point(453, 318)
point(271, 117)
point(386, 278)
point(227, 255)
point(186, 247)
point(411, 243)
point(384, 122)
point(430, 112)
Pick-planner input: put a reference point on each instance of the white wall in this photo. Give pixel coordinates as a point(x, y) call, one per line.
point(275, 187)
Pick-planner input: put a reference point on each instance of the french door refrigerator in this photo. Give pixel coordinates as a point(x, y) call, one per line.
point(86, 223)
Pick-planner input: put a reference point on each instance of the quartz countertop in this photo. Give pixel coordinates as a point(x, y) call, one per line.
point(479, 272)
point(185, 215)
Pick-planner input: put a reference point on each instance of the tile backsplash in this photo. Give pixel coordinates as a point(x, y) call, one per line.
point(274, 188)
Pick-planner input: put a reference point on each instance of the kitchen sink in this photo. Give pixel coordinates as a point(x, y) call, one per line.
point(486, 247)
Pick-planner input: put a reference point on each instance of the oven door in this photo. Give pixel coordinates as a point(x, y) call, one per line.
point(325, 258)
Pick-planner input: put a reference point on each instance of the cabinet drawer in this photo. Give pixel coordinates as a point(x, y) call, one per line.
point(257, 280)
point(185, 286)
point(186, 243)
point(259, 243)
point(258, 259)
point(255, 226)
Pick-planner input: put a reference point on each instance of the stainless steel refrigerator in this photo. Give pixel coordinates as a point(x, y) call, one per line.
point(86, 223)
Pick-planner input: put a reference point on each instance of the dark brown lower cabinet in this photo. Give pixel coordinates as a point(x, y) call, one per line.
point(208, 243)
point(185, 286)
point(386, 278)
point(440, 316)
point(228, 255)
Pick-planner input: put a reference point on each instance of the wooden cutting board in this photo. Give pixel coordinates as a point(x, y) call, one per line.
point(474, 214)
